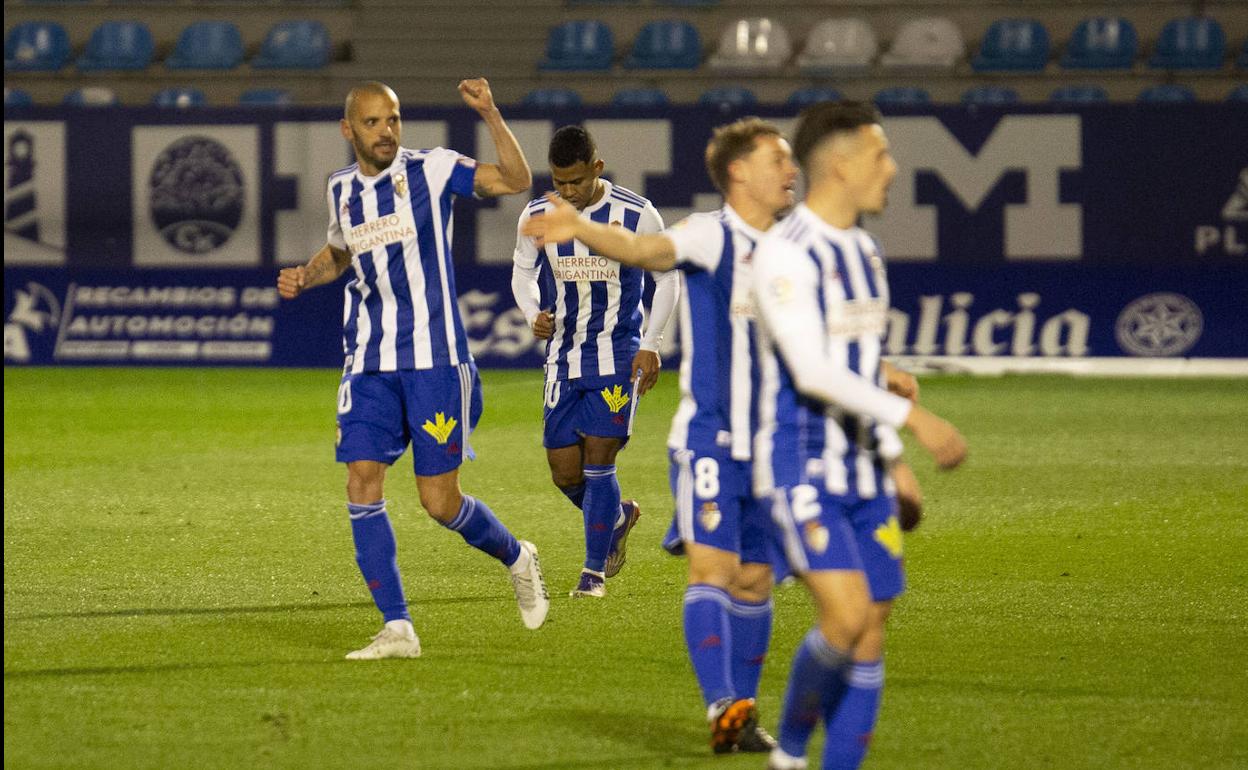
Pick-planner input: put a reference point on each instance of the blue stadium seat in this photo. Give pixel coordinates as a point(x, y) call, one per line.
point(1013, 45)
point(1190, 43)
point(299, 44)
point(901, 96)
point(91, 96)
point(118, 45)
point(1102, 43)
point(667, 44)
point(34, 46)
point(179, 98)
point(1168, 92)
point(579, 45)
point(266, 97)
point(552, 98)
point(728, 98)
point(688, 3)
point(16, 97)
point(1079, 95)
point(1238, 94)
point(207, 45)
point(1242, 60)
point(990, 95)
point(804, 97)
point(640, 98)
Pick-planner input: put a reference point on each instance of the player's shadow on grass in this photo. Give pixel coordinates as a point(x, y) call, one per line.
point(270, 608)
point(655, 735)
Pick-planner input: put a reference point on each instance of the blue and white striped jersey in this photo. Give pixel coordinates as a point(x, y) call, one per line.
point(401, 309)
point(822, 295)
point(598, 302)
point(718, 377)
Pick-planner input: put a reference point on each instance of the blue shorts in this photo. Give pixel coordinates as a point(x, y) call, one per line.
point(715, 505)
point(816, 530)
point(380, 413)
point(588, 406)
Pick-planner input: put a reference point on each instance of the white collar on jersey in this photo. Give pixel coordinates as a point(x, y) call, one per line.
point(739, 222)
point(372, 180)
point(804, 211)
point(603, 201)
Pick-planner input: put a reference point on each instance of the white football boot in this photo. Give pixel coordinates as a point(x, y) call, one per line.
point(397, 639)
point(526, 579)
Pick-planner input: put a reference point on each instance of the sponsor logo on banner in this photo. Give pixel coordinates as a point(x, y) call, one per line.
point(1037, 147)
point(952, 326)
point(1160, 324)
point(35, 310)
point(196, 196)
point(34, 193)
point(137, 323)
point(1229, 238)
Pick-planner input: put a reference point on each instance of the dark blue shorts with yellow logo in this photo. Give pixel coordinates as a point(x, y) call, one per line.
point(816, 530)
point(588, 406)
point(715, 505)
point(380, 413)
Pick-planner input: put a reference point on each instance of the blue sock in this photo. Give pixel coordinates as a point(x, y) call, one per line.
point(708, 635)
point(816, 684)
point(751, 635)
point(849, 727)
point(602, 507)
point(575, 493)
point(375, 552)
point(477, 524)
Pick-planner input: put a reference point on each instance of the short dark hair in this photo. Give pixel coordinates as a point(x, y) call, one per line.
point(733, 141)
point(571, 144)
point(820, 121)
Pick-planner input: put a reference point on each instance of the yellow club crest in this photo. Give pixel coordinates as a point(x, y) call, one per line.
point(888, 535)
point(400, 186)
point(817, 537)
point(616, 399)
point(709, 516)
point(440, 428)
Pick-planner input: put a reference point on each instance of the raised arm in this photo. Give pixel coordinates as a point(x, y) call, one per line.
point(324, 267)
point(511, 174)
point(562, 222)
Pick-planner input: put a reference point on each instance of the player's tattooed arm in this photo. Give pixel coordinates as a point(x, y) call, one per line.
point(324, 267)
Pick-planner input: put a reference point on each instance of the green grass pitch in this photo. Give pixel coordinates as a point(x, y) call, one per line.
point(179, 588)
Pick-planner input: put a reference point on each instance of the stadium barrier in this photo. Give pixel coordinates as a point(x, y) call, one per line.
point(1015, 236)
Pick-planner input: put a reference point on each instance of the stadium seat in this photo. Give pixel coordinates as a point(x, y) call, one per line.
point(667, 44)
point(926, 43)
point(901, 96)
point(1169, 92)
point(16, 97)
point(266, 97)
point(118, 45)
point(804, 97)
point(1013, 45)
point(838, 44)
point(1101, 43)
point(179, 98)
point(752, 45)
point(990, 95)
point(728, 98)
point(552, 98)
point(293, 45)
point(1079, 95)
point(207, 45)
point(688, 3)
point(640, 98)
point(579, 45)
point(1238, 94)
point(35, 46)
point(1242, 60)
point(91, 96)
point(1190, 43)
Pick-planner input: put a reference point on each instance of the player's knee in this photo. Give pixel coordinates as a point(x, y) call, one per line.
point(566, 477)
point(600, 450)
point(365, 481)
point(753, 583)
point(845, 623)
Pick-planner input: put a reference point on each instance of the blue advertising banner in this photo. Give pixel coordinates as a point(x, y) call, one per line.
point(150, 236)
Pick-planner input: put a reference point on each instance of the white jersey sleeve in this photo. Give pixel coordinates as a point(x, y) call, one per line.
point(524, 272)
point(666, 294)
point(786, 289)
point(448, 169)
point(334, 235)
point(699, 242)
